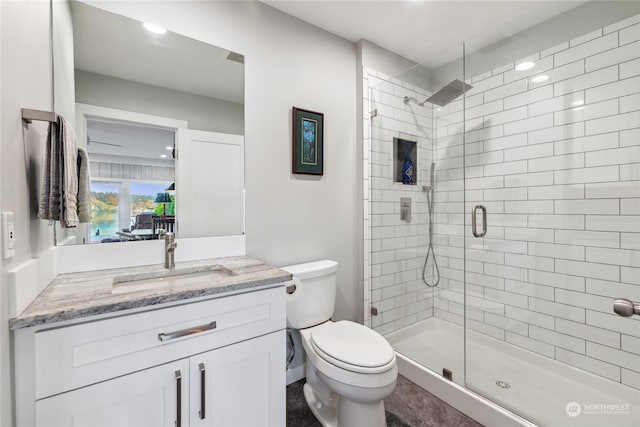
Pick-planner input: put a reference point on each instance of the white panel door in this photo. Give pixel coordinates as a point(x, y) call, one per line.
point(210, 184)
point(240, 385)
point(146, 398)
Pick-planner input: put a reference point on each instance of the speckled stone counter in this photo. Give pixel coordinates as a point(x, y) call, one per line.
point(78, 295)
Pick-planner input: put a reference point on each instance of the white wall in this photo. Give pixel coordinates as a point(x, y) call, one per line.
point(392, 64)
point(202, 112)
point(25, 82)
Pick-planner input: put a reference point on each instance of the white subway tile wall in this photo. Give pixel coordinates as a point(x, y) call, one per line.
point(557, 164)
point(396, 248)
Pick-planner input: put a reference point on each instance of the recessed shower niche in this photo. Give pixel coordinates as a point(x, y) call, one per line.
point(405, 161)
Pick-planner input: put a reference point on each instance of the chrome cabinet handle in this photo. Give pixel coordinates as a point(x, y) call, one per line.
point(484, 221)
point(178, 399)
point(625, 307)
point(202, 397)
point(184, 332)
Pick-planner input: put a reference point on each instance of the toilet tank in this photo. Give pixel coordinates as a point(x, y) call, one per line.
point(314, 298)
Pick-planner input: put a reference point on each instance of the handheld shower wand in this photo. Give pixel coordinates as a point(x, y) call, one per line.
point(430, 250)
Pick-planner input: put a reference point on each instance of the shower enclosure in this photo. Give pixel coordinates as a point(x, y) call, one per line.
point(498, 267)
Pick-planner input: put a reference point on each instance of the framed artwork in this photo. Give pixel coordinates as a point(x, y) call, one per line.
point(308, 144)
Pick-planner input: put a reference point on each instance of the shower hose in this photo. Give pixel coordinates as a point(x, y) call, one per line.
point(430, 251)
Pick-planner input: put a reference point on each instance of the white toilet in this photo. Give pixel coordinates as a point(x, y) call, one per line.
point(350, 368)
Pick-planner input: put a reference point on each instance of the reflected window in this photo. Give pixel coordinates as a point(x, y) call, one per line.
point(115, 205)
point(105, 202)
point(143, 196)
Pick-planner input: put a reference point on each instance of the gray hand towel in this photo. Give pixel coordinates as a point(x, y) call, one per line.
point(59, 192)
point(69, 152)
point(84, 186)
point(49, 207)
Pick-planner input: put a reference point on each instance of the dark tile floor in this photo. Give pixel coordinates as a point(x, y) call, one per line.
point(411, 405)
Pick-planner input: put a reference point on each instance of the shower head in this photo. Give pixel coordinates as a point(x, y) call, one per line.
point(448, 93)
point(444, 96)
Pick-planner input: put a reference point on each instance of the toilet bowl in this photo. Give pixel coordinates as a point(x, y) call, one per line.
point(350, 368)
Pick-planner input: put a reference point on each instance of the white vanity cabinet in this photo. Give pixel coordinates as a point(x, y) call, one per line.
point(145, 398)
point(214, 362)
point(234, 385)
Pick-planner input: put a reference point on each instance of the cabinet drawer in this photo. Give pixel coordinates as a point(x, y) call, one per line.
point(78, 355)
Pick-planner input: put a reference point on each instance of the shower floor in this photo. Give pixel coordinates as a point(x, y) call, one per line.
point(537, 388)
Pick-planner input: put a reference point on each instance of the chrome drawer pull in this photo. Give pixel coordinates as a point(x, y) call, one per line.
point(202, 391)
point(178, 398)
point(184, 332)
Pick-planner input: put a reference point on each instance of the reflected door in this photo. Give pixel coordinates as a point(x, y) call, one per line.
point(210, 184)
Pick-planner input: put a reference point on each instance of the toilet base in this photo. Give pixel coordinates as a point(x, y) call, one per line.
point(342, 412)
point(326, 414)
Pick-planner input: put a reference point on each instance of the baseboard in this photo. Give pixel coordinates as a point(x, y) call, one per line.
point(295, 374)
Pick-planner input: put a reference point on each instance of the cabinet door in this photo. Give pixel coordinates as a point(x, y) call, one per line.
point(152, 397)
point(240, 385)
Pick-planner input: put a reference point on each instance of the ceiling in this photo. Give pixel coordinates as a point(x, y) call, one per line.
point(116, 138)
point(428, 32)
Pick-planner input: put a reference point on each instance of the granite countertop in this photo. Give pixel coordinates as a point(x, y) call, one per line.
point(78, 295)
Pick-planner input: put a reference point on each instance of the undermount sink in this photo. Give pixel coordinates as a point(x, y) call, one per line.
point(181, 276)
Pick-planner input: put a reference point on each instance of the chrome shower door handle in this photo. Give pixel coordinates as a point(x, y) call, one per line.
point(624, 307)
point(474, 224)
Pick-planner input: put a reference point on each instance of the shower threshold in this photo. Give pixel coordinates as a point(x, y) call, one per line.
point(540, 389)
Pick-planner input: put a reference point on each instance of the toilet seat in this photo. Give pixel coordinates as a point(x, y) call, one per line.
point(353, 347)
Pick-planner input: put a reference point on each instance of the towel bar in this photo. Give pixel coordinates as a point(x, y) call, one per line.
point(44, 116)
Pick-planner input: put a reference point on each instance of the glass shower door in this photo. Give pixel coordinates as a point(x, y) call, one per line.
point(552, 229)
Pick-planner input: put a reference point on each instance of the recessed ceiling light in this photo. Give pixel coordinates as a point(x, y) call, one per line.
point(540, 79)
point(525, 66)
point(154, 28)
point(580, 102)
point(164, 156)
point(169, 147)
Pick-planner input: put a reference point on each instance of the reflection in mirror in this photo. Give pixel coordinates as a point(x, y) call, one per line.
point(137, 98)
point(133, 168)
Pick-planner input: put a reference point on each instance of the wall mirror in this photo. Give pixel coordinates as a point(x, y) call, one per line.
point(162, 118)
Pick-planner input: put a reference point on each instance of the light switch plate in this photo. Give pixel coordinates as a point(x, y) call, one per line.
point(8, 235)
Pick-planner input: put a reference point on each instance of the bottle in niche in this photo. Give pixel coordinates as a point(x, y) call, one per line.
point(407, 168)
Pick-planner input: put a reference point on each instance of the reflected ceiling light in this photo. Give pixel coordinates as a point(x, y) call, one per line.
point(164, 156)
point(525, 65)
point(169, 147)
point(540, 79)
point(579, 102)
point(154, 28)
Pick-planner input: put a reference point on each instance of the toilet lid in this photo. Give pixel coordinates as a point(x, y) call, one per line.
point(352, 346)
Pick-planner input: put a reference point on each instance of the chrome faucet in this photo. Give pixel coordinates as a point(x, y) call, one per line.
point(170, 246)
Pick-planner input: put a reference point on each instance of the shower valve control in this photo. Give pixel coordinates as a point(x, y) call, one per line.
point(405, 209)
